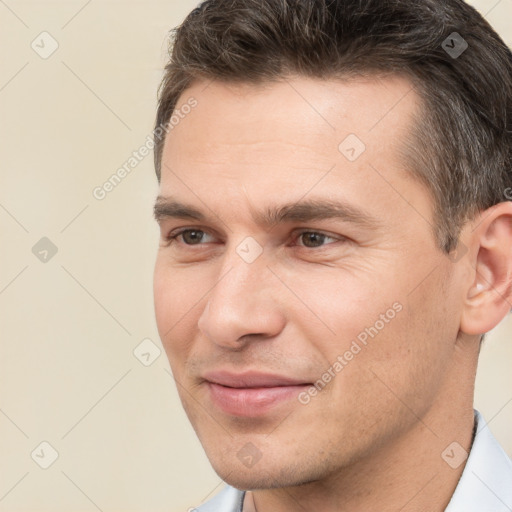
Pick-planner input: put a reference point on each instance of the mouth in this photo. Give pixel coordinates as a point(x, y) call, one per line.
point(252, 394)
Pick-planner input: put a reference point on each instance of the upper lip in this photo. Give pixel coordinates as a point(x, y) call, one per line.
point(251, 379)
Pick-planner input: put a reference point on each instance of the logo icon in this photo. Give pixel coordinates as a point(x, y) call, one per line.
point(458, 253)
point(45, 45)
point(249, 455)
point(455, 45)
point(44, 250)
point(352, 147)
point(146, 352)
point(249, 250)
point(44, 455)
point(454, 455)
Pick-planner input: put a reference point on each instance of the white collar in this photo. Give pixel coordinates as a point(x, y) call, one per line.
point(486, 482)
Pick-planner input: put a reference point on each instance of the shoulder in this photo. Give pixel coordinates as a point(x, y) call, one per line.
point(227, 500)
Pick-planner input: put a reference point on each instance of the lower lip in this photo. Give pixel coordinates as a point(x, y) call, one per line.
point(252, 402)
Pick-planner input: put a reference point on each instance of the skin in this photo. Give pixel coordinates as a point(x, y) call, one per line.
point(373, 437)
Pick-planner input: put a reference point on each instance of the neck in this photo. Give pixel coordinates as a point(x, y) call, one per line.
point(407, 473)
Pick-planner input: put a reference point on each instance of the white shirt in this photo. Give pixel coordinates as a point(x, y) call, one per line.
point(485, 484)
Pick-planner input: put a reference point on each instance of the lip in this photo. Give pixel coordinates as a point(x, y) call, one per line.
point(251, 394)
point(251, 379)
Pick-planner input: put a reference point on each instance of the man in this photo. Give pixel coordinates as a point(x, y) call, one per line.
point(335, 241)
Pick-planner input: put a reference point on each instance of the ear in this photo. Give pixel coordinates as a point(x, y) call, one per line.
point(489, 296)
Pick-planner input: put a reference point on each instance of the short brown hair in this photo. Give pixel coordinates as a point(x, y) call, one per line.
point(460, 147)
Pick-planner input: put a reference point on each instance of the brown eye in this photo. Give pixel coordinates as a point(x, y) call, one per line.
point(188, 237)
point(192, 237)
point(313, 239)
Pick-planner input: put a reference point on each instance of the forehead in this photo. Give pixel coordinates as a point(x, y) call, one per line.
point(311, 114)
point(289, 138)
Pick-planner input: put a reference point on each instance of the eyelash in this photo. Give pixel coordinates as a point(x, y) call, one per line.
point(172, 237)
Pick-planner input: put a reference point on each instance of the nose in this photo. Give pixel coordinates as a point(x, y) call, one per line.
point(243, 305)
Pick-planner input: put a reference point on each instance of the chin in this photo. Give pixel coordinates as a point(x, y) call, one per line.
point(256, 480)
point(266, 475)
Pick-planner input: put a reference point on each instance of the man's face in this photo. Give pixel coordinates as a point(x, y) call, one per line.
point(253, 314)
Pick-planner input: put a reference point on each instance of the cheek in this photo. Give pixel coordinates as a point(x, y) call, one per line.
point(162, 300)
point(175, 301)
point(350, 306)
point(405, 364)
point(369, 327)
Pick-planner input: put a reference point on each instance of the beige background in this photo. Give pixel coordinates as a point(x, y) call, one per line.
point(68, 375)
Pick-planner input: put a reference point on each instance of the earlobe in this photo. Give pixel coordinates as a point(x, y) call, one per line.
point(489, 296)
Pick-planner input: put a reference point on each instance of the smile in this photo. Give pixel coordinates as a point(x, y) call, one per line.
point(251, 394)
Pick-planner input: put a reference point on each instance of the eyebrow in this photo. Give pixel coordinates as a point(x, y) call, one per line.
point(302, 211)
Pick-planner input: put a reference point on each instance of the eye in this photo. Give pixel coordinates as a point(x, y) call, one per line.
point(314, 239)
point(188, 236)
